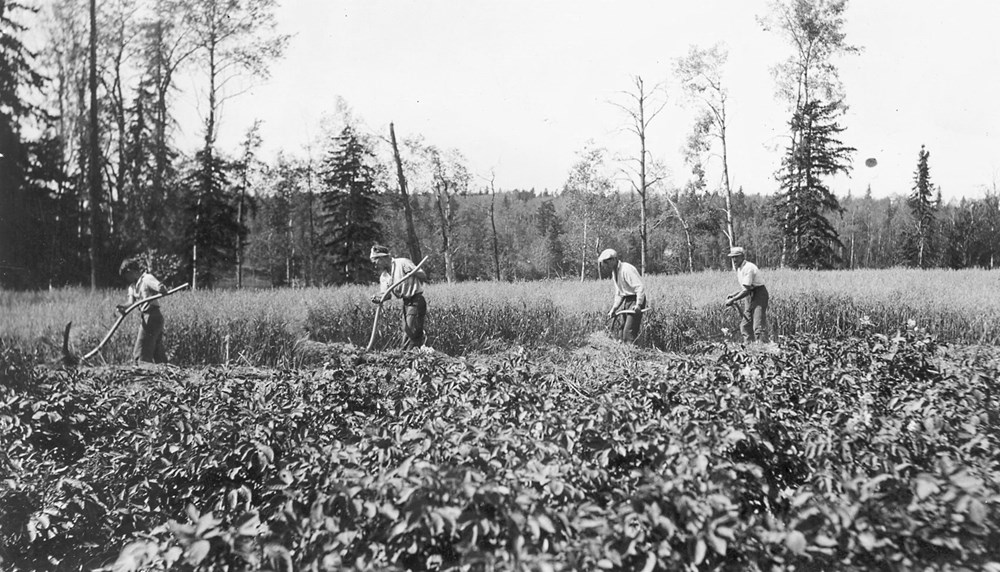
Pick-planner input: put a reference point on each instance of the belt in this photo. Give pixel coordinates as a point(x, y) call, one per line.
point(413, 298)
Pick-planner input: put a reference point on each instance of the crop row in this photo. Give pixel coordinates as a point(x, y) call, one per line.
point(262, 328)
point(874, 452)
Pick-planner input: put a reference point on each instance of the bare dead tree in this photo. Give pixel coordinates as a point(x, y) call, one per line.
point(411, 233)
point(641, 108)
point(493, 224)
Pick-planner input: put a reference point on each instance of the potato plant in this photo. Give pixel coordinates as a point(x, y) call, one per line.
point(875, 452)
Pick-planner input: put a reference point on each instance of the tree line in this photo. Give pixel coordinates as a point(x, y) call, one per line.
point(90, 173)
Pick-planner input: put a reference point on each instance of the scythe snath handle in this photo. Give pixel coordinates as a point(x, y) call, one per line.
point(124, 313)
point(738, 310)
point(388, 291)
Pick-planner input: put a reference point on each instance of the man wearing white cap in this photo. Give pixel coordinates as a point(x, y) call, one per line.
point(754, 323)
point(630, 293)
point(410, 291)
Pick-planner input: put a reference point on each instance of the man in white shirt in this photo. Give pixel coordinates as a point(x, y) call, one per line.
point(410, 291)
point(630, 293)
point(149, 339)
point(754, 323)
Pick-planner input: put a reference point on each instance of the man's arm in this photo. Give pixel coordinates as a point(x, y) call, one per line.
point(150, 281)
point(132, 296)
point(737, 296)
point(615, 305)
point(384, 281)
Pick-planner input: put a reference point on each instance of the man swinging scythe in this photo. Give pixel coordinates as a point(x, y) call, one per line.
point(404, 280)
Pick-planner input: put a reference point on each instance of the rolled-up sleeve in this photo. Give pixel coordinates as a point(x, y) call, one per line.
point(151, 284)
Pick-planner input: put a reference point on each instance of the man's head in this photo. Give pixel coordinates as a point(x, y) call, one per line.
point(737, 254)
point(608, 260)
point(132, 268)
point(381, 257)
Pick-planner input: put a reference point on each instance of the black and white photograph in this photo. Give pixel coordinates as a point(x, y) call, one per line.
point(499, 285)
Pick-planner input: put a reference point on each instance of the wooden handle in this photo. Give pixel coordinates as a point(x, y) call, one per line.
point(122, 318)
point(378, 311)
point(403, 279)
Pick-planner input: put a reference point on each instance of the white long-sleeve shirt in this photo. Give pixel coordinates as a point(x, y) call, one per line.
point(628, 283)
point(401, 267)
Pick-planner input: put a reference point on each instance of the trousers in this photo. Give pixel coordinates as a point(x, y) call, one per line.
point(414, 312)
point(753, 326)
point(632, 322)
point(149, 339)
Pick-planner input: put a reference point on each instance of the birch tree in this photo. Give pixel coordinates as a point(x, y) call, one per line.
point(587, 188)
point(700, 75)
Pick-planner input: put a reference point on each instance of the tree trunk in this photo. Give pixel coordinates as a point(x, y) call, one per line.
point(730, 227)
point(583, 249)
point(730, 230)
point(642, 186)
point(119, 111)
point(291, 244)
point(94, 171)
point(209, 142)
point(444, 215)
point(239, 236)
point(310, 265)
point(687, 232)
point(493, 223)
point(411, 232)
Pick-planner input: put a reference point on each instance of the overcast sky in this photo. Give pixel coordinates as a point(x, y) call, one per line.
point(520, 86)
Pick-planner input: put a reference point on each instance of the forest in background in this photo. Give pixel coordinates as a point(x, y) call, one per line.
point(91, 174)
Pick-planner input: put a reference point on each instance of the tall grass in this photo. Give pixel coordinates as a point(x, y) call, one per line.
point(260, 327)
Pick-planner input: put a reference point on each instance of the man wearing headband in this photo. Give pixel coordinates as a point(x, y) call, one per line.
point(410, 291)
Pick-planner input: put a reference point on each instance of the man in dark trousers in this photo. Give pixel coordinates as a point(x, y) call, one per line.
point(142, 284)
point(410, 291)
point(754, 322)
point(630, 294)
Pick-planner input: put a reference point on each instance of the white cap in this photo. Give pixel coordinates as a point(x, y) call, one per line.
point(606, 254)
point(736, 251)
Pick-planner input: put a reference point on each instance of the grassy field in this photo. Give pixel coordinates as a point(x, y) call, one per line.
point(261, 327)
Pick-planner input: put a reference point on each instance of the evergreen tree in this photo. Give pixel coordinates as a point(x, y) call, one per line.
point(546, 215)
point(350, 206)
point(804, 198)
point(212, 218)
point(920, 243)
point(19, 195)
point(550, 230)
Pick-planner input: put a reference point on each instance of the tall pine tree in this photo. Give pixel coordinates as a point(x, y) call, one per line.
point(920, 244)
point(17, 217)
point(804, 199)
point(349, 206)
point(212, 217)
